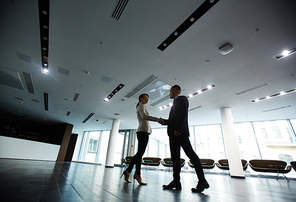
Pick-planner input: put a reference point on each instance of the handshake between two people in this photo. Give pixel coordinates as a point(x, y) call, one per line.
point(161, 121)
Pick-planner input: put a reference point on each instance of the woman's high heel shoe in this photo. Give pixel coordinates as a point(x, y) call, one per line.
point(126, 176)
point(139, 179)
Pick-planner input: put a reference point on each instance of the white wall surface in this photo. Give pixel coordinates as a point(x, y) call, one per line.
point(26, 149)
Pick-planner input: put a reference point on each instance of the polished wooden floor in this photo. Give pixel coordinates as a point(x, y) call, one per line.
point(27, 180)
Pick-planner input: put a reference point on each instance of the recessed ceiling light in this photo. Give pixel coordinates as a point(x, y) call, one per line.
point(45, 70)
point(285, 53)
point(119, 87)
point(198, 13)
point(190, 95)
point(274, 95)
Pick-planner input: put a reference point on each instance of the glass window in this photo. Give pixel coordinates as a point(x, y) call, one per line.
point(246, 141)
point(92, 145)
point(276, 140)
point(293, 129)
point(158, 145)
point(209, 142)
point(127, 138)
point(104, 142)
point(119, 148)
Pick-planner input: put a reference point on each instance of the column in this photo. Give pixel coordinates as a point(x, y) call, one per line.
point(131, 144)
point(231, 144)
point(66, 129)
point(112, 144)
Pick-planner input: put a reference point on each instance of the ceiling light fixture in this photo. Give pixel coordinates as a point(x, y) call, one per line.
point(198, 13)
point(209, 87)
point(45, 70)
point(118, 88)
point(285, 53)
point(43, 6)
point(274, 95)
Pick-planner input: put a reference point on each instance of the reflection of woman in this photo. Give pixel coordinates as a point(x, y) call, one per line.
point(143, 133)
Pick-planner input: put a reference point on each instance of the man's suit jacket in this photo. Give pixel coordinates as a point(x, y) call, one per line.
point(178, 118)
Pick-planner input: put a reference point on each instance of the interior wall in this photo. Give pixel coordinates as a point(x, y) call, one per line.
point(26, 149)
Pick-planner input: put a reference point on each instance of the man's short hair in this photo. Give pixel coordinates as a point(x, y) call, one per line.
point(177, 87)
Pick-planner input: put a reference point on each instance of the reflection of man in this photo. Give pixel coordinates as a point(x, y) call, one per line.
point(178, 132)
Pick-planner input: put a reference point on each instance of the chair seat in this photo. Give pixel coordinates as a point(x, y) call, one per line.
point(167, 162)
point(127, 159)
point(272, 166)
point(151, 161)
point(206, 163)
point(223, 164)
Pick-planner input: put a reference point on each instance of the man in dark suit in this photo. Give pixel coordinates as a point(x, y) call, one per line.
point(178, 132)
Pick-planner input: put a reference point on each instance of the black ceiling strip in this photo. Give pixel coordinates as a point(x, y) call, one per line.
point(199, 12)
point(118, 88)
point(44, 31)
point(46, 101)
point(88, 117)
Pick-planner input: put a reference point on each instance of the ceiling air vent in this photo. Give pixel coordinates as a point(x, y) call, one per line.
point(142, 85)
point(19, 99)
point(29, 82)
point(194, 108)
point(63, 71)
point(76, 96)
point(23, 57)
point(254, 88)
point(106, 79)
point(10, 78)
point(118, 9)
point(276, 108)
point(160, 100)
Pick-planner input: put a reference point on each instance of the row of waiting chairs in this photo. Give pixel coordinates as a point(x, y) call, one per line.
point(154, 161)
point(259, 165)
point(263, 165)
